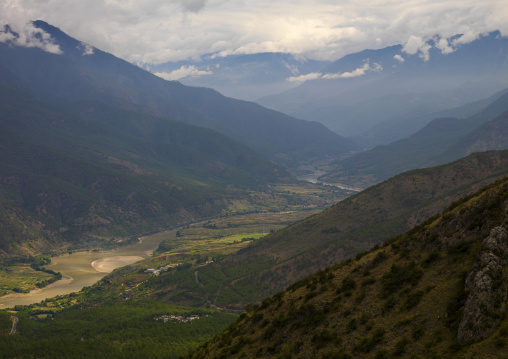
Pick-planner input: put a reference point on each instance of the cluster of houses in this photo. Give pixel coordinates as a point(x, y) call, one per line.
point(177, 318)
point(156, 272)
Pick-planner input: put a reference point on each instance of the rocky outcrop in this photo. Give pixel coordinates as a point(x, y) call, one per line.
point(486, 290)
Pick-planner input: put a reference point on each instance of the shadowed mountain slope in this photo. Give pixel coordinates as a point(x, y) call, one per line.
point(492, 135)
point(73, 181)
point(441, 141)
point(72, 76)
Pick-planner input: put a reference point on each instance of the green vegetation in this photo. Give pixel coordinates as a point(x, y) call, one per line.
point(192, 250)
point(120, 330)
point(20, 278)
point(228, 235)
point(23, 274)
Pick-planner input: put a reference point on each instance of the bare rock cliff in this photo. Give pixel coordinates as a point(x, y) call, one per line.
point(487, 290)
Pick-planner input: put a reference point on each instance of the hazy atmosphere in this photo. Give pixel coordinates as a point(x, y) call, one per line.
point(253, 179)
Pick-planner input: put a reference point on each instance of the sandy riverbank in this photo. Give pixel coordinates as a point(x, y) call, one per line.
point(108, 264)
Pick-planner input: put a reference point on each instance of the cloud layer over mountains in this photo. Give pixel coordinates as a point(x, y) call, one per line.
point(158, 31)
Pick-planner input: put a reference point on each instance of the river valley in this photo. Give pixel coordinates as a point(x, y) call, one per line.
point(83, 269)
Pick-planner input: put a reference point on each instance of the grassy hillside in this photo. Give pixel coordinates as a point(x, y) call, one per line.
point(437, 291)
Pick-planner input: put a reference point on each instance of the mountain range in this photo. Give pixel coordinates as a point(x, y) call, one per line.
point(379, 96)
point(441, 141)
point(373, 96)
point(75, 75)
point(246, 77)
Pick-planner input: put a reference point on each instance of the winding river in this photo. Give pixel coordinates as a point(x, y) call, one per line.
point(83, 269)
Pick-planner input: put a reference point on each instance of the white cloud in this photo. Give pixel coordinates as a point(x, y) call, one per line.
point(399, 58)
point(444, 46)
point(360, 71)
point(87, 49)
point(157, 31)
point(16, 29)
point(466, 38)
point(184, 71)
point(303, 78)
point(418, 45)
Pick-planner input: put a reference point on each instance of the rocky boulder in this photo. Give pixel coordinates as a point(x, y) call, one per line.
point(487, 291)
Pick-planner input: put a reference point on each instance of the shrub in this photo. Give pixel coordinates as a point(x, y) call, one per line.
point(400, 347)
point(348, 283)
point(413, 299)
point(400, 276)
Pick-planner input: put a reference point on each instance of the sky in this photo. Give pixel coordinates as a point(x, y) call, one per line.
point(157, 31)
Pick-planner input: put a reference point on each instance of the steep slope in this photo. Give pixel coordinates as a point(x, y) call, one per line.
point(397, 128)
point(351, 226)
point(374, 88)
point(74, 181)
point(426, 147)
point(440, 290)
point(492, 135)
point(100, 76)
point(106, 129)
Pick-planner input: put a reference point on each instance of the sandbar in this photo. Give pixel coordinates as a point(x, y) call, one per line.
point(108, 264)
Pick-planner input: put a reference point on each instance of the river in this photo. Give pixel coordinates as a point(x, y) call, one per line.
point(314, 174)
point(83, 269)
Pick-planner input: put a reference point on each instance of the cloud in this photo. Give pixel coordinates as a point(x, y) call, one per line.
point(360, 71)
point(466, 38)
point(193, 5)
point(444, 46)
point(28, 36)
point(418, 45)
point(17, 30)
point(86, 48)
point(399, 58)
point(158, 31)
point(184, 71)
point(303, 78)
